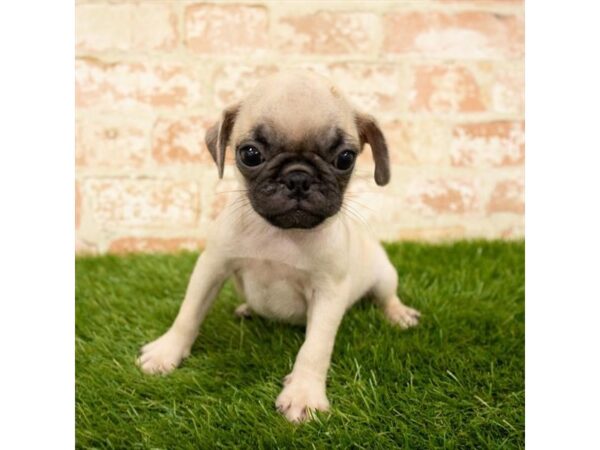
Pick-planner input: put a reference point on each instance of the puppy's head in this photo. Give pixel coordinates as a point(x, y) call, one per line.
point(296, 140)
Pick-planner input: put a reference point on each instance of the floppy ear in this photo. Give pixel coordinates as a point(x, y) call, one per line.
point(370, 133)
point(217, 136)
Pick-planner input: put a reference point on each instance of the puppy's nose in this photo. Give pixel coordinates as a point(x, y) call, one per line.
point(298, 182)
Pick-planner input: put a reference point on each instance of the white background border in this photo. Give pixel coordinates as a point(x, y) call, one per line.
point(37, 382)
point(563, 225)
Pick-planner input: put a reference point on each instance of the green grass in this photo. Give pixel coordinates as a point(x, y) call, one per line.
point(455, 381)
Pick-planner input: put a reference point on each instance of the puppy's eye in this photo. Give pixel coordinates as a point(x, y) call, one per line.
point(345, 160)
point(251, 156)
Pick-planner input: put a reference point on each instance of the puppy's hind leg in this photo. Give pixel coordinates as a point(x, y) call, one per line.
point(384, 293)
point(243, 310)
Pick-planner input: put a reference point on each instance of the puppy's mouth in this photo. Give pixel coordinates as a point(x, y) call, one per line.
point(296, 217)
point(298, 194)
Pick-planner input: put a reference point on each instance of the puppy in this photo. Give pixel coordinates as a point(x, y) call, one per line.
point(292, 254)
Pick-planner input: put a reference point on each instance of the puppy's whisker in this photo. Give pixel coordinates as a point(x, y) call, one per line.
point(238, 199)
point(359, 204)
point(242, 211)
point(353, 214)
point(237, 207)
point(350, 203)
point(234, 209)
point(348, 208)
point(232, 191)
point(348, 216)
point(248, 218)
point(364, 192)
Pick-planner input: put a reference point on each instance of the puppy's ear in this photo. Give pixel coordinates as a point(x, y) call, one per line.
point(217, 136)
point(370, 133)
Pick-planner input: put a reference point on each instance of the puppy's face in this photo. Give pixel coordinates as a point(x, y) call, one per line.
point(296, 183)
point(296, 140)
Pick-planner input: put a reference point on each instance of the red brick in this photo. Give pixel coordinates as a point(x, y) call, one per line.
point(110, 141)
point(479, 3)
point(438, 196)
point(226, 28)
point(77, 205)
point(130, 85)
point(463, 35)
point(180, 141)
point(85, 247)
point(365, 201)
point(220, 195)
point(154, 244)
point(327, 32)
point(508, 196)
point(232, 82)
point(417, 142)
point(431, 234)
point(370, 87)
point(514, 232)
point(414, 142)
point(488, 144)
point(446, 89)
point(218, 203)
point(143, 203)
point(79, 156)
point(507, 91)
point(100, 27)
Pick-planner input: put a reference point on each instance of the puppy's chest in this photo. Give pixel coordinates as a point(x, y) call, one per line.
point(274, 290)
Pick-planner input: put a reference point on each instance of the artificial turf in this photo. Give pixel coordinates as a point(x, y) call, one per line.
point(455, 381)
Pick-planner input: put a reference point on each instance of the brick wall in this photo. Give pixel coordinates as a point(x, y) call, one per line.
point(444, 77)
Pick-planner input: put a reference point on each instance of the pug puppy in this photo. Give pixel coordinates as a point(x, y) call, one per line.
point(292, 254)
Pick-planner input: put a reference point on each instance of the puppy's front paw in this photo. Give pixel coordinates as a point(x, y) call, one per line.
point(164, 354)
point(300, 397)
point(400, 314)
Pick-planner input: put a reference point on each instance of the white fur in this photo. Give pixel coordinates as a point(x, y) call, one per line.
point(299, 276)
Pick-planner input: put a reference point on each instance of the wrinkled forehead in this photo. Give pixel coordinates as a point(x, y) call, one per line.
point(296, 113)
point(324, 139)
